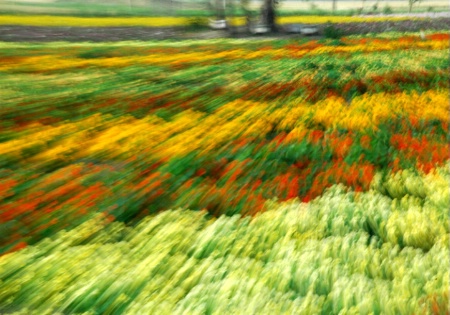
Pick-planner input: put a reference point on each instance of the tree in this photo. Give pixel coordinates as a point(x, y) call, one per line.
point(411, 3)
point(269, 14)
point(245, 7)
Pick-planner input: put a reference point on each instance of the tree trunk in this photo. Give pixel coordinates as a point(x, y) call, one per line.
point(230, 16)
point(334, 6)
point(220, 9)
point(270, 15)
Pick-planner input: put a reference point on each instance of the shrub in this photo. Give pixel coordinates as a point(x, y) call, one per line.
point(330, 31)
point(197, 23)
point(375, 7)
point(387, 10)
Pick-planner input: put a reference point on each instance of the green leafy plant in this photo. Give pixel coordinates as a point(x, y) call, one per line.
point(387, 10)
point(331, 31)
point(197, 23)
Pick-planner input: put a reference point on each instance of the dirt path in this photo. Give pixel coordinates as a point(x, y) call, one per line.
point(14, 33)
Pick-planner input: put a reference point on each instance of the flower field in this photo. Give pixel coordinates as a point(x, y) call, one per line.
point(225, 176)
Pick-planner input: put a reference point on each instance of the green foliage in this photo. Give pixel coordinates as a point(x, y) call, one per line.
point(98, 52)
point(375, 7)
point(197, 23)
point(387, 10)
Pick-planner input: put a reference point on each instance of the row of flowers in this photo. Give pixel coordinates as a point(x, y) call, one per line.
point(345, 252)
point(39, 20)
point(64, 61)
point(380, 94)
point(61, 84)
point(426, 115)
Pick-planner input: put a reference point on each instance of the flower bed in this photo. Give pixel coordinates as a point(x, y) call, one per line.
point(95, 138)
point(166, 21)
